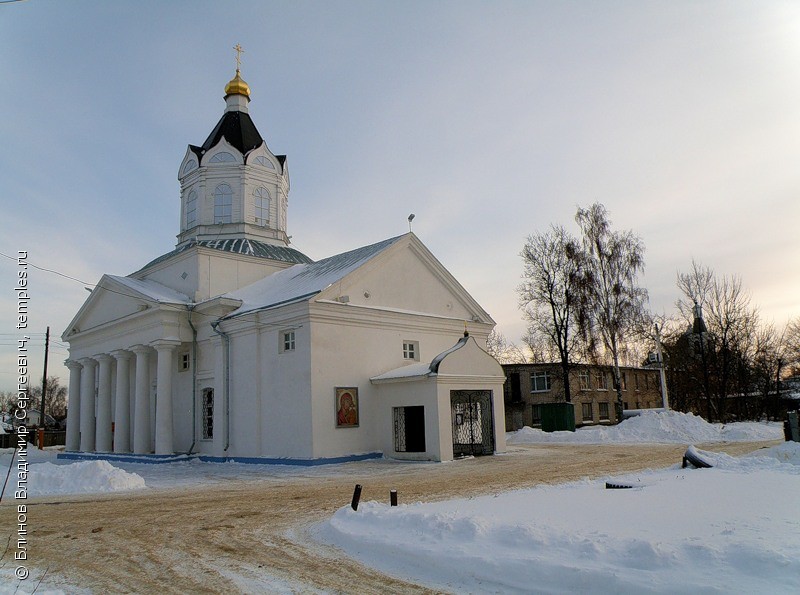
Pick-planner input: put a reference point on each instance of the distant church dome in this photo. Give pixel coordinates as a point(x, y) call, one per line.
point(237, 86)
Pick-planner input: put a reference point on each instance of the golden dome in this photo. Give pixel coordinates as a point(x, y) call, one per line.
point(237, 86)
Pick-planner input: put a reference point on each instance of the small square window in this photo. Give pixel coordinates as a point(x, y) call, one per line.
point(540, 382)
point(411, 350)
point(185, 362)
point(287, 341)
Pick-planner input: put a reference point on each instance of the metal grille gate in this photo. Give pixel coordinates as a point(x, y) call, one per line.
point(473, 422)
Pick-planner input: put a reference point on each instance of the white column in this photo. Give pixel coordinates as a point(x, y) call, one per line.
point(74, 406)
point(87, 404)
point(103, 432)
point(165, 349)
point(122, 411)
point(141, 429)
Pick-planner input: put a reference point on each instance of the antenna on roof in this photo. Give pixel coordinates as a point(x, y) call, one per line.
point(410, 219)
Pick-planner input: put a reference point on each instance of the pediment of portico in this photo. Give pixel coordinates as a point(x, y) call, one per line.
point(121, 312)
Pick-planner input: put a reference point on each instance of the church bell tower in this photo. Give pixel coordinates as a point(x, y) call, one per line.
point(232, 186)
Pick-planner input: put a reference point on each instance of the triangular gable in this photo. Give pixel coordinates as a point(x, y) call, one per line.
point(397, 274)
point(406, 276)
point(304, 281)
point(116, 297)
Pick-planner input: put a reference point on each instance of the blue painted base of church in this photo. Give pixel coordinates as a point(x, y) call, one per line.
point(159, 459)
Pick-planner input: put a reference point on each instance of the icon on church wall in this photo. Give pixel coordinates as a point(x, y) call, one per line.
point(347, 407)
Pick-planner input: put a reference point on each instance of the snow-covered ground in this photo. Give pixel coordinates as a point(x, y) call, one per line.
point(49, 476)
point(730, 529)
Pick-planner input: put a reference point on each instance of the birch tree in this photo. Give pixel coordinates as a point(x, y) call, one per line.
point(612, 302)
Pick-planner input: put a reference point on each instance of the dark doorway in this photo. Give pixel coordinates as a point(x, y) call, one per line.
point(409, 429)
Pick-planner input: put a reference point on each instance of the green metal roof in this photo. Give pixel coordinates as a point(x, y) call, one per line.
point(240, 246)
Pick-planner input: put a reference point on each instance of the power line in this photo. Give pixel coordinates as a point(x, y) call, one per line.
point(30, 264)
point(176, 307)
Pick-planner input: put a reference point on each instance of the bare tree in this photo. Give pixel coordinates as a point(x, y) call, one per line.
point(769, 362)
point(728, 349)
point(792, 344)
point(56, 405)
point(548, 296)
point(540, 349)
point(503, 350)
point(8, 401)
point(612, 302)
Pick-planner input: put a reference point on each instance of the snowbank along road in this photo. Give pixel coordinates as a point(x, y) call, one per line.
point(251, 535)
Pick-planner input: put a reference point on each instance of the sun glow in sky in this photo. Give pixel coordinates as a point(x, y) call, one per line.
point(488, 120)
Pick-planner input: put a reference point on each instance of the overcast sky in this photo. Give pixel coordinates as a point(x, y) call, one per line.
point(488, 120)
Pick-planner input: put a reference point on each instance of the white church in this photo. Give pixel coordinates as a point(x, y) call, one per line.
point(236, 346)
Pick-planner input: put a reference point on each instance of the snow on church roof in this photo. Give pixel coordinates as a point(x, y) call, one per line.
point(303, 281)
point(419, 370)
point(409, 371)
point(155, 291)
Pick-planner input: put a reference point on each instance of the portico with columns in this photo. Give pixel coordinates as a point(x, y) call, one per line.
point(101, 409)
point(123, 368)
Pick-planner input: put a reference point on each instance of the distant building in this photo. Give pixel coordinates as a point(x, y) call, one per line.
point(32, 418)
point(529, 386)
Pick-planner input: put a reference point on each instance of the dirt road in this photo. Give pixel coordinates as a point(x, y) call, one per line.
point(229, 538)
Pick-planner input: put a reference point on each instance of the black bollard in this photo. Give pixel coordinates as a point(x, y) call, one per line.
point(356, 497)
point(393, 497)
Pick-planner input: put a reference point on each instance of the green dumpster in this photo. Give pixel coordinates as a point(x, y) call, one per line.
point(558, 417)
point(792, 427)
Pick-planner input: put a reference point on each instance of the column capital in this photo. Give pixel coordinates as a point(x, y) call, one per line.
point(102, 358)
point(87, 361)
point(141, 349)
point(165, 344)
point(121, 354)
point(73, 364)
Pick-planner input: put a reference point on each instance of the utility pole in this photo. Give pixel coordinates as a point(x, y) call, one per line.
point(659, 351)
point(44, 378)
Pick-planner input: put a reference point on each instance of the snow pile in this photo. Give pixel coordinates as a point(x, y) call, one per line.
point(788, 452)
point(729, 529)
point(84, 477)
point(655, 427)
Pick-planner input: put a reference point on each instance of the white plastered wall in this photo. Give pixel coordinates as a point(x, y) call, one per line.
point(410, 393)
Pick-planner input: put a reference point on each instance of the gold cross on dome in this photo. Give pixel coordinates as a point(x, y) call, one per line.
point(239, 52)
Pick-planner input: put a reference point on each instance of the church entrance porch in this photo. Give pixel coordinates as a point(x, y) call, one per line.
point(472, 422)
